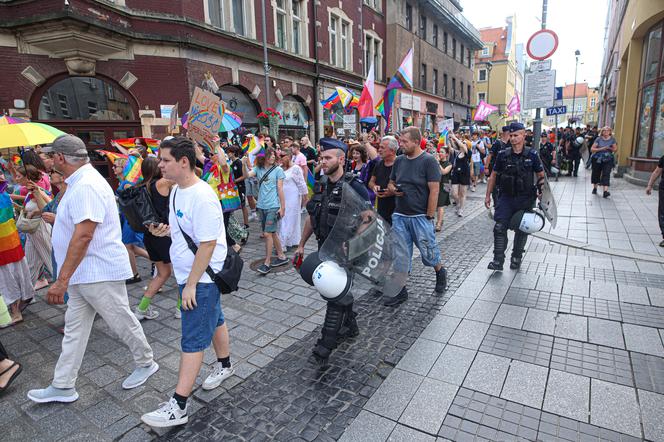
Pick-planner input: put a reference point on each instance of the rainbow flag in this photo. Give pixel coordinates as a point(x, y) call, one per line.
point(132, 170)
point(403, 78)
point(10, 243)
point(129, 143)
point(331, 100)
point(311, 180)
point(16, 159)
point(442, 141)
point(112, 156)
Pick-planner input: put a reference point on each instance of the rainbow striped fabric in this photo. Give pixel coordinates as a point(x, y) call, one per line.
point(10, 243)
point(311, 180)
point(112, 156)
point(132, 170)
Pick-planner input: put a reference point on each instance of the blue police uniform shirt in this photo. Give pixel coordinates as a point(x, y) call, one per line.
point(501, 161)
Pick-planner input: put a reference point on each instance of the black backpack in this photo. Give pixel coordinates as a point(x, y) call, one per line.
point(136, 205)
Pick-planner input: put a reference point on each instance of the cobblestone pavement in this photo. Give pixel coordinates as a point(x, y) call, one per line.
point(567, 348)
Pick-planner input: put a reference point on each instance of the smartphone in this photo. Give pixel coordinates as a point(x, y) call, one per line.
point(399, 188)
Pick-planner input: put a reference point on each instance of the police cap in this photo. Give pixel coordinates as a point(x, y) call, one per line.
point(506, 128)
point(332, 143)
point(515, 127)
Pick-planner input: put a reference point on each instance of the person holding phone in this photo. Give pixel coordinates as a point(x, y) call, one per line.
point(380, 177)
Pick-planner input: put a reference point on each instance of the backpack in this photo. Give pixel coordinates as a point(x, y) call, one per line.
point(136, 205)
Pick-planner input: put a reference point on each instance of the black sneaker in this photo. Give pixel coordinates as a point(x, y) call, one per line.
point(495, 265)
point(401, 297)
point(606, 194)
point(263, 269)
point(595, 191)
point(136, 278)
point(441, 280)
point(662, 243)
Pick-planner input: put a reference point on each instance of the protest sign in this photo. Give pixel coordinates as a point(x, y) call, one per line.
point(173, 119)
point(446, 124)
point(205, 114)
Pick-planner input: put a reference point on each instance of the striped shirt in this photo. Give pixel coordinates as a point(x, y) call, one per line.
point(90, 197)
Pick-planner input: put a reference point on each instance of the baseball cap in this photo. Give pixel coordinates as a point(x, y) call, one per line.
point(67, 144)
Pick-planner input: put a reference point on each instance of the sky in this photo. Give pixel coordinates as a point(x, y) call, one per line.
point(578, 23)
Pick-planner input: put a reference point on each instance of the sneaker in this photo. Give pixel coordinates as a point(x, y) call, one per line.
point(168, 414)
point(153, 270)
point(441, 280)
point(136, 278)
point(253, 217)
point(472, 189)
point(263, 269)
point(218, 375)
point(139, 376)
point(52, 394)
point(460, 212)
point(606, 194)
point(150, 313)
point(278, 262)
point(178, 313)
point(401, 297)
point(594, 190)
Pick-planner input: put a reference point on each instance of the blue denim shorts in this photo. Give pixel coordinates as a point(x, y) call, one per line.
point(199, 324)
point(269, 220)
point(418, 231)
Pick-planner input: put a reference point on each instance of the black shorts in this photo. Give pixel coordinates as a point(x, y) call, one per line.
point(158, 247)
point(243, 195)
point(462, 179)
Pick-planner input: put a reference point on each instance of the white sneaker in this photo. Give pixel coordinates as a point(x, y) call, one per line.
point(253, 216)
point(473, 189)
point(178, 313)
point(218, 375)
point(168, 414)
point(150, 313)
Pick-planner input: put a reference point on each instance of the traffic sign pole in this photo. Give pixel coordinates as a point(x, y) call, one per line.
point(537, 123)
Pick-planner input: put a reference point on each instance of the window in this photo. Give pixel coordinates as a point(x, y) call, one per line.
point(579, 108)
point(434, 36)
point(485, 51)
point(481, 97)
point(298, 10)
point(216, 12)
point(92, 107)
point(468, 94)
point(454, 48)
point(334, 23)
point(373, 53)
point(64, 107)
point(462, 53)
point(593, 102)
point(434, 82)
point(445, 42)
point(375, 4)
point(238, 16)
point(453, 88)
point(461, 90)
point(409, 17)
point(650, 124)
point(423, 77)
point(344, 45)
point(281, 24)
point(481, 75)
point(445, 85)
point(423, 27)
point(46, 105)
point(468, 57)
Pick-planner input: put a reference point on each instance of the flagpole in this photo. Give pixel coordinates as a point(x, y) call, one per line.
point(412, 84)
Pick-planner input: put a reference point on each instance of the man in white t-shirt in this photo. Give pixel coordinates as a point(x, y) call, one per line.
point(92, 267)
point(194, 210)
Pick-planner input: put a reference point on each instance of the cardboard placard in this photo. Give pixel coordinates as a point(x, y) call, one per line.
point(173, 119)
point(204, 120)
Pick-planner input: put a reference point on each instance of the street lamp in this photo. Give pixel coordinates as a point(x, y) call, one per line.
point(576, 66)
point(489, 66)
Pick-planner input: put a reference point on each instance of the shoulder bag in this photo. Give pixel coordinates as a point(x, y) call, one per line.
point(228, 277)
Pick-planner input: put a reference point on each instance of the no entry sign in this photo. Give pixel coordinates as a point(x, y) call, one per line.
point(542, 44)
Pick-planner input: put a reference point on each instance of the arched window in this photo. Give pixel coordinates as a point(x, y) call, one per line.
point(238, 100)
point(85, 98)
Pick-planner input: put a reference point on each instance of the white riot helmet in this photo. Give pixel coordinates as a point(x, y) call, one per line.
point(579, 141)
point(331, 281)
point(555, 170)
point(527, 222)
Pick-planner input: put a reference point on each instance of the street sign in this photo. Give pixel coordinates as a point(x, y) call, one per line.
point(544, 65)
point(539, 89)
point(558, 93)
point(556, 110)
point(542, 44)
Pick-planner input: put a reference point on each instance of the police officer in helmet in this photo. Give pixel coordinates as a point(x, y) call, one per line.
point(323, 209)
point(518, 175)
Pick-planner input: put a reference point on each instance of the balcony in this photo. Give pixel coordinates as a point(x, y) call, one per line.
point(449, 13)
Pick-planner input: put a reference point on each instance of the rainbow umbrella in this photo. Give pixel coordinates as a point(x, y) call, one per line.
point(11, 120)
point(26, 134)
point(230, 121)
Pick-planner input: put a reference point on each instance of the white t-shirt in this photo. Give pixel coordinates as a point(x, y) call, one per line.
point(90, 197)
point(199, 214)
point(476, 153)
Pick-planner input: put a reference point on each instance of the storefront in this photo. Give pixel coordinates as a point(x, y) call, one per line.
point(650, 124)
point(95, 109)
point(295, 118)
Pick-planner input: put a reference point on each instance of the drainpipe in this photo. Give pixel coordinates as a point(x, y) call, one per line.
point(317, 127)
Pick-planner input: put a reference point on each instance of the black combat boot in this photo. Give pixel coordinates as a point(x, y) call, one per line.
point(334, 315)
point(402, 296)
point(349, 328)
point(441, 280)
point(499, 247)
point(518, 248)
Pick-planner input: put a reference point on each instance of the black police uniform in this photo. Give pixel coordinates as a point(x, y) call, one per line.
point(323, 209)
point(546, 153)
point(516, 182)
point(497, 147)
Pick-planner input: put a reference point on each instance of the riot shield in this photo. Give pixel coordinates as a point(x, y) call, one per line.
point(364, 243)
point(548, 203)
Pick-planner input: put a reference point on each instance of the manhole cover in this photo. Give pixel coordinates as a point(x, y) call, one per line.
point(256, 264)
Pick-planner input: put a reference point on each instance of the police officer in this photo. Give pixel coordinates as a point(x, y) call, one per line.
point(323, 209)
point(498, 146)
point(547, 153)
point(514, 176)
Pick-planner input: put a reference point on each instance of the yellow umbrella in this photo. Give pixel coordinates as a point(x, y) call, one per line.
point(27, 134)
